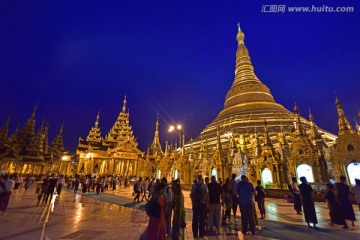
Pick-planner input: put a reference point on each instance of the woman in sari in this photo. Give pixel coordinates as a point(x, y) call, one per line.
point(156, 229)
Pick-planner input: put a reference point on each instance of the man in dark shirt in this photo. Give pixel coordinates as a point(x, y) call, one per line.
point(215, 192)
point(246, 192)
point(50, 189)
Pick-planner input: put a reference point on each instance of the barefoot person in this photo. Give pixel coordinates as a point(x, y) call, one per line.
point(260, 198)
point(343, 200)
point(308, 202)
point(336, 216)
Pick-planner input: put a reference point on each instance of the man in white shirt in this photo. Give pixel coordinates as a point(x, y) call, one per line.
point(9, 183)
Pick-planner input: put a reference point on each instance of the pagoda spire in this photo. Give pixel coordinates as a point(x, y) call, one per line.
point(299, 129)
point(124, 105)
point(314, 132)
point(57, 148)
point(343, 123)
point(267, 140)
point(282, 137)
point(28, 131)
point(46, 138)
point(156, 146)
point(94, 133)
point(257, 144)
point(4, 131)
point(244, 70)
point(246, 89)
point(357, 127)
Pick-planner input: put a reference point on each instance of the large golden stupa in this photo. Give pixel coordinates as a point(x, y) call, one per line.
point(248, 104)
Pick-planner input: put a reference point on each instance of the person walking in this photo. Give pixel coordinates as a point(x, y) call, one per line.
point(4, 196)
point(342, 197)
point(356, 191)
point(51, 183)
point(215, 192)
point(260, 198)
point(144, 186)
point(294, 189)
point(179, 211)
point(114, 181)
point(18, 181)
point(227, 201)
point(61, 183)
point(157, 225)
point(234, 196)
point(199, 198)
point(76, 185)
point(168, 207)
point(246, 191)
point(137, 190)
point(308, 202)
point(336, 216)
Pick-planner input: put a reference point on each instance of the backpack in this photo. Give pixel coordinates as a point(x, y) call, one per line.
point(198, 194)
point(152, 207)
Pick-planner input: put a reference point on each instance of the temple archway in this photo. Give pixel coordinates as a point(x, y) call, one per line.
point(266, 177)
point(158, 174)
point(213, 172)
point(175, 174)
point(305, 170)
point(353, 171)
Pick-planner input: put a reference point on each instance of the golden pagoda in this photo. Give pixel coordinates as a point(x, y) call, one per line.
point(116, 154)
point(28, 152)
point(256, 132)
point(249, 102)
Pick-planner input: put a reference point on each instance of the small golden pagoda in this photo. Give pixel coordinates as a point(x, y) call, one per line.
point(27, 152)
point(117, 153)
point(346, 153)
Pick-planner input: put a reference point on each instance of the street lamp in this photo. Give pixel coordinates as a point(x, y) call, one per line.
point(176, 130)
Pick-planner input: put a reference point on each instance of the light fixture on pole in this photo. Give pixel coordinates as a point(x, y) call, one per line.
point(176, 130)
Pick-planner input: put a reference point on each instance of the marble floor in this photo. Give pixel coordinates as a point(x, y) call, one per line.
point(114, 215)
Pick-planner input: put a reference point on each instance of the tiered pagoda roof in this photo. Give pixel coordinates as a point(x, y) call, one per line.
point(248, 103)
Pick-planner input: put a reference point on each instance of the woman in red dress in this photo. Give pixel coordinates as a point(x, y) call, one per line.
point(156, 229)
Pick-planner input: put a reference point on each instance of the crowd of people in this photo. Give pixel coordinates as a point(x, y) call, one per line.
point(214, 203)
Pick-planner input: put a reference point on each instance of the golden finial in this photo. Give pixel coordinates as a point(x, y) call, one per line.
point(240, 35)
point(124, 104)
point(97, 119)
point(61, 129)
point(311, 117)
point(296, 109)
point(157, 122)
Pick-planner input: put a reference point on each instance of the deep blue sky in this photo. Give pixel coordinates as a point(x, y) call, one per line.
point(75, 58)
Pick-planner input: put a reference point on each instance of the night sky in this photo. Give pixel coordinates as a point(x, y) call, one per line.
point(175, 58)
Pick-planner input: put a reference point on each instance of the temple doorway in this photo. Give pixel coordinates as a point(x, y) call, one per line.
point(266, 177)
point(305, 170)
point(353, 170)
point(159, 174)
point(213, 172)
point(175, 174)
